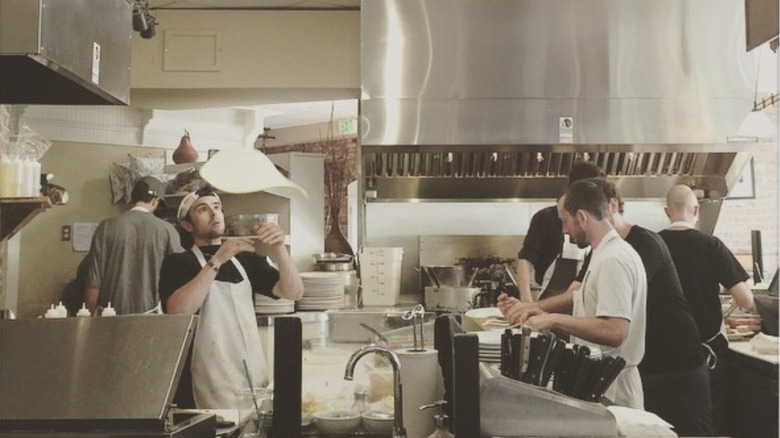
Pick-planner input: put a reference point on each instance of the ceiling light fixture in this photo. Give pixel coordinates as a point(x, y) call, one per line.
point(151, 30)
point(139, 18)
point(143, 20)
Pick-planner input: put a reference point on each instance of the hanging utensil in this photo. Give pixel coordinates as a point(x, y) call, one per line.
point(471, 280)
point(431, 275)
point(511, 275)
point(416, 314)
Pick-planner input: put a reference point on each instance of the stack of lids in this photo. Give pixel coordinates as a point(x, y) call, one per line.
point(322, 291)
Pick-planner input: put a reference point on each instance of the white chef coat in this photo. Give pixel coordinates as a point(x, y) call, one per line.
point(615, 285)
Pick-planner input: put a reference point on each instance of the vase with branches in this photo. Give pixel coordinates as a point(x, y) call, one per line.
point(339, 172)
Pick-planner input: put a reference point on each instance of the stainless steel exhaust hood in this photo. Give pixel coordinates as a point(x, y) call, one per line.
point(74, 52)
point(512, 173)
point(494, 100)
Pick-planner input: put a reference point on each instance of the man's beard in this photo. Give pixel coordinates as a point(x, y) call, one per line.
point(214, 233)
point(579, 238)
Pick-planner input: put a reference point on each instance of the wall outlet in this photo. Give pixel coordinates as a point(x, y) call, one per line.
point(65, 233)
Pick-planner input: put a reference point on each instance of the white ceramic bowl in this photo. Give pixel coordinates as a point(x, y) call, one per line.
point(378, 422)
point(337, 422)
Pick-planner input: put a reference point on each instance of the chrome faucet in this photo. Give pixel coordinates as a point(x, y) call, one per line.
point(398, 421)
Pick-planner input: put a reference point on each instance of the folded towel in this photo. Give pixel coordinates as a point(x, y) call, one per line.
point(638, 423)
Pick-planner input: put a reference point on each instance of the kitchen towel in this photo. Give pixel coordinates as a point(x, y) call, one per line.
point(421, 382)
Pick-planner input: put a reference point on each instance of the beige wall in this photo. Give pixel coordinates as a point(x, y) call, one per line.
point(46, 263)
point(264, 57)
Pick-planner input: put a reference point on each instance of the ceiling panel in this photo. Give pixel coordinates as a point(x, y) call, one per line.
point(281, 115)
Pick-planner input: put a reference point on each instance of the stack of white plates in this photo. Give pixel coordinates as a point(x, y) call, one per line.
point(322, 291)
point(268, 306)
point(489, 346)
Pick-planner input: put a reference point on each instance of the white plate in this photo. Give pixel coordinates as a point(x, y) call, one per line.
point(485, 312)
point(489, 338)
point(270, 306)
point(317, 275)
point(273, 312)
point(490, 356)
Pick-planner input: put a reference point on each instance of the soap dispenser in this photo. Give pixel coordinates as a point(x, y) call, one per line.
point(439, 420)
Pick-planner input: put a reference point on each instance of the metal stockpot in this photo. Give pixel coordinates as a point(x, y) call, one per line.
point(452, 299)
point(444, 276)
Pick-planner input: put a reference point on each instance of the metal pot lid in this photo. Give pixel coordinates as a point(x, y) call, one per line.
point(331, 257)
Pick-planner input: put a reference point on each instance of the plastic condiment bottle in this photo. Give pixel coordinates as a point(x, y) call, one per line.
point(62, 311)
point(51, 312)
point(108, 310)
point(83, 311)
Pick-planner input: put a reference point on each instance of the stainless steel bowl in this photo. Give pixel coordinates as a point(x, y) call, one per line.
point(331, 257)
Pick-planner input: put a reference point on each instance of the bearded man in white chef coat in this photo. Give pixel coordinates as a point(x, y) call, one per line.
point(608, 309)
point(216, 279)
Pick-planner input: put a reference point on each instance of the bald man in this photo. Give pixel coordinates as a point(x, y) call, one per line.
point(704, 264)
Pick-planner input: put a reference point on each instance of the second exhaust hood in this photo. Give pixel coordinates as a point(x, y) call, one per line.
point(66, 52)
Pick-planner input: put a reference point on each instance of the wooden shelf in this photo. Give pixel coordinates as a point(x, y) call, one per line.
point(15, 213)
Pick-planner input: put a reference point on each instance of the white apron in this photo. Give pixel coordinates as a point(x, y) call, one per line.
point(626, 390)
point(225, 336)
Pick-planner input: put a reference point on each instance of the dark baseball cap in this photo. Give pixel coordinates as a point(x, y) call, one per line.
point(146, 187)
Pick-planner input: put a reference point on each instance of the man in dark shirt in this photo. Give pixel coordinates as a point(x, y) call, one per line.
point(544, 241)
point(704, 264)
point(217, 279)
point(674, 374)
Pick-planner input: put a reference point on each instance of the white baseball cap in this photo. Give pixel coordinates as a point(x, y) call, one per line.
point(189, 200)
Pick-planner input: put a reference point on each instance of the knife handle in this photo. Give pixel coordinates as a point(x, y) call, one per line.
point(562, 370)
point(556, 350)
point(610, 375)
point(540, 349)
point(506, 354)
point(518, 354)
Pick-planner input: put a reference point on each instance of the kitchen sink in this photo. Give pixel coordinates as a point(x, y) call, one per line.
point(374, 325)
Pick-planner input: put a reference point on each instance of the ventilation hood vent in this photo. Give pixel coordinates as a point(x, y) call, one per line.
point(446, 173)
point(473, 100)
point(68, 52)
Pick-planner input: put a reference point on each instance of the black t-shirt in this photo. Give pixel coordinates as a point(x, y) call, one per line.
point(703, 264)
point(543, 242)
point(179, 268)
point(672, 339)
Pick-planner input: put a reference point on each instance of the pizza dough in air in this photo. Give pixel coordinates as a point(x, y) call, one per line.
point(247, 171)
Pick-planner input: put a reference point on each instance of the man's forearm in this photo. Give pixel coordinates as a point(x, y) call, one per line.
point(742, 295)
point(91, 295)
point(290, 285)
point(559, 303)
point(524, 280)
point(189, 298)
point(603, 331)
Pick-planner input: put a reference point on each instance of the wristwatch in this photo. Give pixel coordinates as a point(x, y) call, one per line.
point(213, 265)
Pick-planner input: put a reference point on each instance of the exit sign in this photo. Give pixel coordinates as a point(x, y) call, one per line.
point(347, 126)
